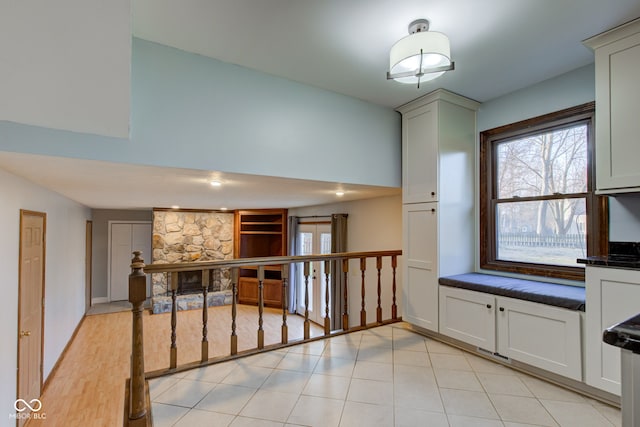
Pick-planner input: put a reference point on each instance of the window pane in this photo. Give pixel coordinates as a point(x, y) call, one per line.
point(542, 232)
point(543, 164)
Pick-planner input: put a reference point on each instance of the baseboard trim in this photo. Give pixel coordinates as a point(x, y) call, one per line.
point(99, 300)
point(62, 355)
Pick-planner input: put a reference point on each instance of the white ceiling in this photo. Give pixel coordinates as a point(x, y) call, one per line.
point(499, 46)
point(103, 185)
point(343, 45)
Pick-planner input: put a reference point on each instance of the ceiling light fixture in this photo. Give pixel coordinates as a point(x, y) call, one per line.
point(339, 193)
point(216, 183)
point(421, 56)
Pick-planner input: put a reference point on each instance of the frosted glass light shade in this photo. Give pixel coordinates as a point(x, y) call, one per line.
point(405, 55)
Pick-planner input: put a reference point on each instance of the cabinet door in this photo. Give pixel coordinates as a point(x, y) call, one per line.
point(540, 335)
point(612, 296)
point(420, 155)
point(420, 280)
point(617, 124)
point(468, 316)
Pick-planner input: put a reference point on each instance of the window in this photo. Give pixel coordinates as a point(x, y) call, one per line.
point(538, 211)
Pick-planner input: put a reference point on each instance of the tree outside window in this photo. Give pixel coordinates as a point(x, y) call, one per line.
point(538, 210)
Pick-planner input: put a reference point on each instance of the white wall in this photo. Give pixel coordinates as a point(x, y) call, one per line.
point(373, 225)
point(66, 64)
point(64, 274)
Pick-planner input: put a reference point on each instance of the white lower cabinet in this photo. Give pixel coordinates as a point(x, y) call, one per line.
point(536, 334)
point(613, 295)
point(468, 316)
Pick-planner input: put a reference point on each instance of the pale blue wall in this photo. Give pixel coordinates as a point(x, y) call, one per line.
point(190, 111)
point(567, 90)
point(570, 89)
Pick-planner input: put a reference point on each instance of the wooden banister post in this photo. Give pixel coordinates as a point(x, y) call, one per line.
point(234, 310)
point(138, 402)
point(394, 307)
point(327, 278)
point(379, 308)
point(363, 312)
point(173, 351)
point(307, 322)
point(285, 303)
point(345, 308)
point(260, 306)
point(204, 351)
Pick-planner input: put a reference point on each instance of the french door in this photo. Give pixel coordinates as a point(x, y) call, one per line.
point(313, 239)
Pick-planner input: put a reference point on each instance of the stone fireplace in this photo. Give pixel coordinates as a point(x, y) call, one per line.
point(188, 236)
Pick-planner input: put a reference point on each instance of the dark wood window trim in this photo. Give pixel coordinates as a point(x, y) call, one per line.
point(596, 206)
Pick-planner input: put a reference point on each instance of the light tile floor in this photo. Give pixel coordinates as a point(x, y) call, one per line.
point(387, 376)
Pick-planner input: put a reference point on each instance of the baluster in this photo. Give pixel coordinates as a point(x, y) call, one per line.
point(173, 355)
point(345, 312)
point(137, 403)
point(327, 319)
point(234, 310)
point(307, 323)
point(260, 306)
point(379, 309)
point(394, 307)
point(363, 313)
point(205, 314)
point(285, 303)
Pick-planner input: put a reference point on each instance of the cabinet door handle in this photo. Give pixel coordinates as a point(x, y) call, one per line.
point(433, 193)
point(488, 305)
point(433, 210)
point(501, 308)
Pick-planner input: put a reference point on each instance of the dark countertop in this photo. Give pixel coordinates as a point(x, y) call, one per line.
point(625, 334)
point(621, 255)
point(611, 261)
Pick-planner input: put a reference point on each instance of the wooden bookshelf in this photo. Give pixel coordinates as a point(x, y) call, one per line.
point(260, 233)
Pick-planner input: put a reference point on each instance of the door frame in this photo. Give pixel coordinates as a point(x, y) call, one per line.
point(88, 272)
point(109, 224)
point(23, 213)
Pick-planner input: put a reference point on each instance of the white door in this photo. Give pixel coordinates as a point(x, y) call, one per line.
point(124, 239)
point(313, 239)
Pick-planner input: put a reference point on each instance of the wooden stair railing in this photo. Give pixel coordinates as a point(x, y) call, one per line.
point(137, 402)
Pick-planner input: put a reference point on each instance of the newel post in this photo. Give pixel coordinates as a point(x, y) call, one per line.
point(138, 400)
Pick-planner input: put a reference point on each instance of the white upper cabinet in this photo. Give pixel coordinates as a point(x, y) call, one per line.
point(438, 135)
point(617, 63)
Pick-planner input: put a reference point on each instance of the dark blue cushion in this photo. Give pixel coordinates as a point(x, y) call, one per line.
point(565, 296)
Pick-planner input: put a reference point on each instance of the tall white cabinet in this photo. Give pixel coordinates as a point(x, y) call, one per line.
point(438, 176)
point(617, 61)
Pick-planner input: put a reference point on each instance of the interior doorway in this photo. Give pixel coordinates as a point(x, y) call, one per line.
point(313, 239)
point(31, 305)
point(124, 238)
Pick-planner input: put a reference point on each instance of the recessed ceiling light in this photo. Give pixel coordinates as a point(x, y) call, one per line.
point(339, 193)
point(216, 183)
point(223, 209)
point(175, 207)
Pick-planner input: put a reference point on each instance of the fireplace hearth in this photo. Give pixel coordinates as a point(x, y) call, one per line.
point(190, 282)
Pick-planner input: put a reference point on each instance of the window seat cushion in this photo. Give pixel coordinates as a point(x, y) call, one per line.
point(565, 296)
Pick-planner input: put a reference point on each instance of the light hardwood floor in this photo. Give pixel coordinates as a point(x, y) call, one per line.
point(87, 387)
